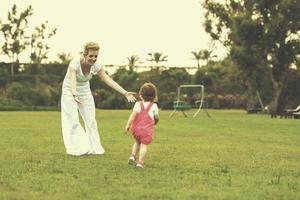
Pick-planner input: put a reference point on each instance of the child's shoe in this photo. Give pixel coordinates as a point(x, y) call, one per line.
point(140, 165)
point(131, 160)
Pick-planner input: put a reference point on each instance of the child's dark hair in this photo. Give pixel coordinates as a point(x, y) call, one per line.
point(148, 92)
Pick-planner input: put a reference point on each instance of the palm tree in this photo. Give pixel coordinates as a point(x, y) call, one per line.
point(197, 56)
point(133, 61)
point(202, 55)
point(157, 57)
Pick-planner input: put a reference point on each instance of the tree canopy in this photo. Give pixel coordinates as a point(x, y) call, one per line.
point(263, 38)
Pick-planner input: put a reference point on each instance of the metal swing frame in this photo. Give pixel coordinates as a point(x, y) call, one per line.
point(177, 102)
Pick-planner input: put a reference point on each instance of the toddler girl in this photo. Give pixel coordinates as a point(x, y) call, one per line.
point(141, 123)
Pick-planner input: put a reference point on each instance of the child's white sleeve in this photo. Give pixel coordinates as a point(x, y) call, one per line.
point(155, 109)
point(137, 107)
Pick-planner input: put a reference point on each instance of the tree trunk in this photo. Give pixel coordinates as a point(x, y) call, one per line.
point(251, 96)
point(276, 93)
point(277, 86)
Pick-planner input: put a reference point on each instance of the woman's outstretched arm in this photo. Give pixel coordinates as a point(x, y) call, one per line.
point(111, 83)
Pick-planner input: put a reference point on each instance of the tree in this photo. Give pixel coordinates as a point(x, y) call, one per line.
point(157, 57)
point(133, 61)
point(201, 55)
point(197, 56)
point(263, 38)
point(14, 34)
point(39, 49)
point(64, 58)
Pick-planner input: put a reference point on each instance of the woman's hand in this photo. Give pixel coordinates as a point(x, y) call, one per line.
point(76, 98)
point(130, 96)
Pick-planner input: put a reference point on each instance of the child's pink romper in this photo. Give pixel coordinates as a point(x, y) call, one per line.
point(142, 127)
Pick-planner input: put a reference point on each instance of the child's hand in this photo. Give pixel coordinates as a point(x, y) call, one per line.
point(126, 130)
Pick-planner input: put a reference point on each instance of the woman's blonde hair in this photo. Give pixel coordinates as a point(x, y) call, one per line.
point(148, 92)
point(90, 46)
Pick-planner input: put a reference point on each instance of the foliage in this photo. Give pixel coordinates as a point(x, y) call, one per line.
point(31, 90)
point(152, 76)
point(64, 58)
point(224, 86)
point(41, 94)
point(39, 49)
point(133, 61)
point(50, 69)
point(172, 78)
point(263, 37)
point(110, 98)
point(157, 57)
point(14, 34)
point(291, 91)
point(17, 38)
point(201, 55)
point(7, 104)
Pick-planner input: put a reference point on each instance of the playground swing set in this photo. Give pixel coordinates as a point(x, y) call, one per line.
point(180, 105)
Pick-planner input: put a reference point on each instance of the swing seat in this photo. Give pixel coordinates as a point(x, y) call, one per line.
point(181, 105)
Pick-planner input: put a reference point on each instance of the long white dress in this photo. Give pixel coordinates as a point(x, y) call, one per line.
point(78, 140)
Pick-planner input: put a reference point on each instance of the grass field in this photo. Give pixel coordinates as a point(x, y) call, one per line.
point(229, 156)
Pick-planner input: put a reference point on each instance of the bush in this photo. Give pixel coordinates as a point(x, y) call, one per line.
point(38, 95)
point(165, 100)
point(228, 101)
point(7, 104)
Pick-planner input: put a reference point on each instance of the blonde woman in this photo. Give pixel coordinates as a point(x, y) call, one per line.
point(77, 97)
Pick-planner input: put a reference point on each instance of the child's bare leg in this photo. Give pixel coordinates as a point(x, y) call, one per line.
point(134, 152)
point(135, 148)
point(143, 151)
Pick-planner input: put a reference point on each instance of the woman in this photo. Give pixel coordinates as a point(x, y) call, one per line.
point(77, 96)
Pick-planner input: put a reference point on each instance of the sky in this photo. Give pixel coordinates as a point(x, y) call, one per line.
point(122, 28)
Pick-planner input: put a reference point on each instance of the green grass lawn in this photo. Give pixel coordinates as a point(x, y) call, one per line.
point(229, 156)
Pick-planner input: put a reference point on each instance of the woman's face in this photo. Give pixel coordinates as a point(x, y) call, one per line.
point(91, 57)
